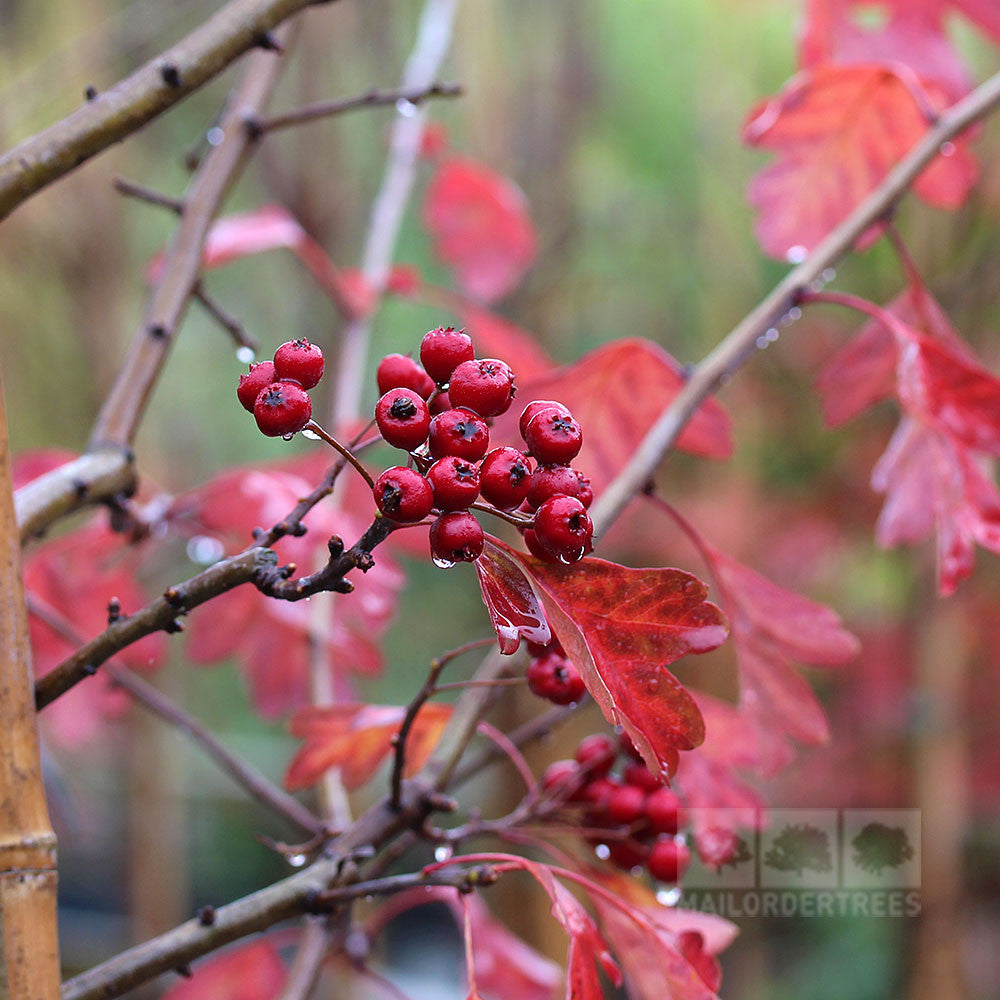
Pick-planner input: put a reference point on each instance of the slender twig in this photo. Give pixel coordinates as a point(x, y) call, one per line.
point(505, 515)
point(143, 193)
point(225, 319)
point(124, 108)
point(371, 99)
point(343, 449)
point(317, 939)
point(739, 345)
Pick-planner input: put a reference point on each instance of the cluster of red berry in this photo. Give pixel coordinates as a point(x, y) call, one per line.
point(275, 391)
point(439, 411)
point(642, 816)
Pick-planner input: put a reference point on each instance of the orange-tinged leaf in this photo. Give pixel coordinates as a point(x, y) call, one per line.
point(357, 739)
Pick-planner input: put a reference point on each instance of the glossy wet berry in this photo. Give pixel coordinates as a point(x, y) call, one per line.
point(456, 537)
point(625, 805)
point(259, 377)
point(561, 776)
point(443, 349)
point(504, 477)
point(563, 526)
point(403, 418)
point(641, 777)
point(553, 436)
point(299, 361)
point(455, 482)
point(627, 854)
point(554, 678)
point(400, 371)
point(535, 407)
point(597, 754)
point(486, 386)
point(440, 403)
point(535, 547)
point(459, 432)
point(668, 860)
point(282, 408)
point(403, 495)
point(551, 481)
point(586, 494)
point(663, 811)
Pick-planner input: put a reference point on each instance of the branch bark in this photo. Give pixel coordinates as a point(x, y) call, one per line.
point(116, 113)
point(29, 944)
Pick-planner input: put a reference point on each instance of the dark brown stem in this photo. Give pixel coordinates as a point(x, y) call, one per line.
point(504, 515)
point(225, 319)
point(142, 193)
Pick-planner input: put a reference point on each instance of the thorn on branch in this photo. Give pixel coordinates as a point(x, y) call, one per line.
point(173, 597)
point(173, 626)
point(170, 75)
point(206, 916)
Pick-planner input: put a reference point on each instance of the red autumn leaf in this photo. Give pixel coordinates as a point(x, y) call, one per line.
point(357, 739)
point(29, 465)
point(497, 337)
point(248, 972)
point(481, 228)
point(838, 131)
point(617, 392)
point(515, 612)
point(621, 628)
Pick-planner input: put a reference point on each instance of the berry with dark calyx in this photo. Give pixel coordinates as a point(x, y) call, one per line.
point(403, 418)
point(551, 481)
point(259, 377)
point(403, 495)
point(625, 805)
point(486, 386)
point(664, 812)
point(554, 678)
point(563, 526)
point(536, 407)
point(504, 477)
point(668, 860)
point(536, 548)
point(299, 361)
point(641, 777)
point(455, 482)
point(596, 754)
point(456, 537)
point(627, 854)
point(459, 432)
point(553, 436)
point(443, 349)
point(400, 371)
point(586, 494)
point(282, 408)
point(561, 777)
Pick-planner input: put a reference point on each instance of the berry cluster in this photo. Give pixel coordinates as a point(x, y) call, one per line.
point(275, 391)
point(439, 410)
point(640, 814)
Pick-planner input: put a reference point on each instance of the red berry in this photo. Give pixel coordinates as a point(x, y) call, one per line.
point(641, 777)
point(597, 754)
point(563, 526)
point(459, 432)
point(403, 418)
point(586, 494)
point(403, 495)
point(442, 350)
point(504, 477)
point(282, 408)
point(440, 403)
point(553, 436)
point(554, 678)
point(455, 482)
point(486, 386)
point(456, 537)
point(663, 811)
point(259, 377)
point(534, 408)
point(668, 860)
point(595, 793)
point(400, 371)
point(625, 805)
point(550, 481)
point(627, 854)
point(561, 776)
point(299, 361)
point(535, 547)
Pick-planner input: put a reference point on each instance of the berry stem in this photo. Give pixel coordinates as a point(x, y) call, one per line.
point(520, 522)
point(343, 449)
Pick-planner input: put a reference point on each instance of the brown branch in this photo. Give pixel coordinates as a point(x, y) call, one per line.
point(371, 99)
point(739, 345)
point(142, 193)
point(29, 943)
point(116, 113)
point(225, 319)
point(317, 939)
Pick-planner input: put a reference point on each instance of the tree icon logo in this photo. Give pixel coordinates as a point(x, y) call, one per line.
point(878, 846)
point(799, 849)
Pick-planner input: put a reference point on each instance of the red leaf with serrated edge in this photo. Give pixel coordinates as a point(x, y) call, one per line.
point(617, 392)
point(247, 972)
point(357, 739)
point(863, 371)
point(838, 131)
point(515, 611)
point(481, 228)
point(621, 628)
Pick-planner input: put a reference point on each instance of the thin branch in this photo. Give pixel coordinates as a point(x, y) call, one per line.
point(225, 319)
point(739, 345)
point(372, 99)
point(317, 938)
point(343, 449)
point(142, 193)
point(123, 109)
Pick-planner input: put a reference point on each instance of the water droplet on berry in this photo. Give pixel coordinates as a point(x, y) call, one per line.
point(204, 550)
point(287, 437)
point(796, 254)
point(669, 897)
point(603, 851)
point(442, 563)
point(443, 852)
point(245, 355)
point(296, 860)
point(312, 435)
